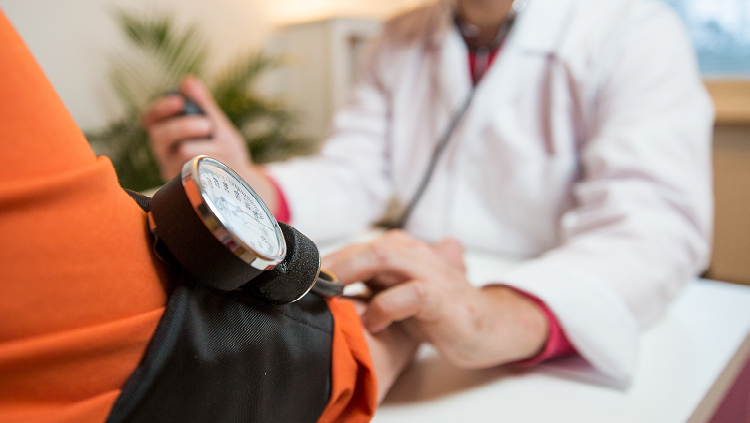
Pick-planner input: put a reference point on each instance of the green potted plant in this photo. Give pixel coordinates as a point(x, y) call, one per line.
point(160, 55)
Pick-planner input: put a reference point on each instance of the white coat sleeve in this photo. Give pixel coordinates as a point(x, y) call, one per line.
point(348, 185)
point(642, 223)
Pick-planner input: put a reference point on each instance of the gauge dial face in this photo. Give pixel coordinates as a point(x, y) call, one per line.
point(239, 209)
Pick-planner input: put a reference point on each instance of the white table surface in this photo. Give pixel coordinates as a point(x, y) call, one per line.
point(687, 362)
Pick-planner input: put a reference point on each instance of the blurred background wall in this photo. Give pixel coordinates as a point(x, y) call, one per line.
point(73, 41)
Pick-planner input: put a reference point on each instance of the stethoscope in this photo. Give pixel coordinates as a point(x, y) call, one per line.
point(480, 67)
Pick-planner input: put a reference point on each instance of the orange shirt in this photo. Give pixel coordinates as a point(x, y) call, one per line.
point(80, 291)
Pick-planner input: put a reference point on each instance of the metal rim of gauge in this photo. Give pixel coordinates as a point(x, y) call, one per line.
point(216, 223)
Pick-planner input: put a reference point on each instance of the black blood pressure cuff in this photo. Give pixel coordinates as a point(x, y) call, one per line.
point(229, 357)
point(219, 356)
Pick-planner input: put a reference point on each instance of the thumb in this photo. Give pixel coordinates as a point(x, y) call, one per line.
point(395, 304)
point(197, 91)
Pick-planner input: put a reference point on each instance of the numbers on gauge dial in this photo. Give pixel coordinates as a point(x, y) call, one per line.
point(239, 210)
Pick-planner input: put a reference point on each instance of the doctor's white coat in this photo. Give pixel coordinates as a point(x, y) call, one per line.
point(585, 153)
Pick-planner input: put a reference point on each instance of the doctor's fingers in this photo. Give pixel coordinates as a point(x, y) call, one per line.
point(411, 299)
point(387, 261)
point(173, 105)
point(162, 108)
point(182, 151)
point(190, 148)
point(166, 136)
point(197, 91)
point(357, 263)
point(452, 250)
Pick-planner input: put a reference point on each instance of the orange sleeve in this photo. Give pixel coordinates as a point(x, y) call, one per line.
point(81, 294)
point(354, 391)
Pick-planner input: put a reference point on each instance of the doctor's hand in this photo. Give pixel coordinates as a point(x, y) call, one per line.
point(425, 287)
point(176, 138)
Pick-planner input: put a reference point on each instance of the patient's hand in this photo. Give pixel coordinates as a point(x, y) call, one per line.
point(425, 288)
point(391, 351)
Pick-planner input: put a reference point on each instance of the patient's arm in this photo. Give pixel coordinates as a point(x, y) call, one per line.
point(84, 294)
point(391, 350)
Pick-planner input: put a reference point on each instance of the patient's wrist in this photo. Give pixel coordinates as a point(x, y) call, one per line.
point(391, 351)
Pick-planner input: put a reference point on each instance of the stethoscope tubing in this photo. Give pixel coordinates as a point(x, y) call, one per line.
point(455, 120)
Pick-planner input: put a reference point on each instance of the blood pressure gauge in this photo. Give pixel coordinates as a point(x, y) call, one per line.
point(217, 228)
point(233, 213)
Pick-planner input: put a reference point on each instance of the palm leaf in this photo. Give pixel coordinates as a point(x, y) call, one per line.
point(160, 54)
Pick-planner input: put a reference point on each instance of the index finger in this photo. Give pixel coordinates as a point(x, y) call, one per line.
point(162, 108)
point(387, 261)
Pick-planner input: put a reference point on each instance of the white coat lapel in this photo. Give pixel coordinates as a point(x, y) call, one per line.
point(538, 30)
point(453, 71)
